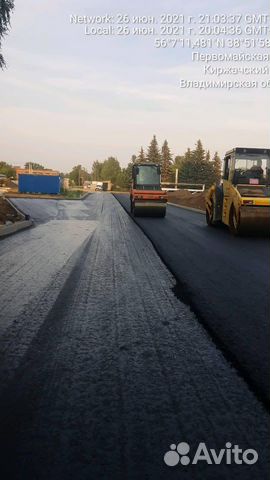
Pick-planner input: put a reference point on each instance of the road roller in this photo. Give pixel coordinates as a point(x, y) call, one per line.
point(146, 195)
point(242, 201)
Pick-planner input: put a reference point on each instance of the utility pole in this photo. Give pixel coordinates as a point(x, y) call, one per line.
point(176, 177)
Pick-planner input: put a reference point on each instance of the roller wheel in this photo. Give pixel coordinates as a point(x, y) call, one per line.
point(135, 211)
point(132, 208)
point(234, 222)
point(210, 215)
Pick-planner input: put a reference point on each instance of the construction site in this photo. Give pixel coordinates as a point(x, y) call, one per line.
point(134, 240)
point(124, 334)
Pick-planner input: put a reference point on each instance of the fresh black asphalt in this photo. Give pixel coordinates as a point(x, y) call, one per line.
point(225, 279)
point(103, 369)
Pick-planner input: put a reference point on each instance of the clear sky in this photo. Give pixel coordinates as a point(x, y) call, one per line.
point(67, 98)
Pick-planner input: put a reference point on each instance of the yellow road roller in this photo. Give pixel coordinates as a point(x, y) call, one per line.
point(242, 201)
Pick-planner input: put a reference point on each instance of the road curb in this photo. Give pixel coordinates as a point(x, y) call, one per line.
point(18, 210)
point(75, 198)
point(197, 210)
point(60, 197)
point(7, 230)
point(26, 222)
point(83, 197)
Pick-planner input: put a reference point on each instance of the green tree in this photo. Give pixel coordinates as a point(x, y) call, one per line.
point(217, 168)
point(96, 170)
point(207, 156)
point(7, 169)
point(110, 169)
point(196, 168)
point(188, 155)
point(199, 153)
point(129, 171)
point(141, 157)
point(6, 6)
point(78, 175)
point(188, 172)
point(166, 162)
point(178, 161)
point(153, 153)
point(33, 166)
point(123, 179)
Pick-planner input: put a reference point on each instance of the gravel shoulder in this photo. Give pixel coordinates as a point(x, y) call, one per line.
point(188, 199)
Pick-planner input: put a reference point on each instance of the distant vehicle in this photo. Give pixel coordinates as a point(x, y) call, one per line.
point(86, 185)
point(243, 200)
point(99, 187)
point(146, 195)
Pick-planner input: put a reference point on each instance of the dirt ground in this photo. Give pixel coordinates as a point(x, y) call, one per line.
point(34, 195)
point(188, 199)
point(7, 213)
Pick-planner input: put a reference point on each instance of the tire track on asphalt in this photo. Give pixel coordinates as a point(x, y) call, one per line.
point(119, 370)
point(184, 291)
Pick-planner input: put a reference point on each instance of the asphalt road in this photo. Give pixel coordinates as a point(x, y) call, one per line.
point(226, 280)
point(102, 367)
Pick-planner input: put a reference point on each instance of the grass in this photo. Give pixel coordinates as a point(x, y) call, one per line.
point(73, 193)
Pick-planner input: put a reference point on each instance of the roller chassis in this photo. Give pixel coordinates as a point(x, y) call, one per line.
point(242, 202)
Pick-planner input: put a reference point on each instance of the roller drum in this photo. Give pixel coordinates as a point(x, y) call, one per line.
point(254, 219)
point(149, 209)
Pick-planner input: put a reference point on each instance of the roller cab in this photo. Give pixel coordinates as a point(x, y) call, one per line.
point(146, 195)
point(242, 201)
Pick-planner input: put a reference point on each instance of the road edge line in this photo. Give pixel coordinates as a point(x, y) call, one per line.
point(7, 230)
point(197, 210)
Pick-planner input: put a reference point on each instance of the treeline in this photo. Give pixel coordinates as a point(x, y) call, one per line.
point(194, 166)
point(10, 171)
point(197, 166)
point(7, 170)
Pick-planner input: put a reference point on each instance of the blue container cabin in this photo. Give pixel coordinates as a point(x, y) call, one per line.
point(46, 184)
